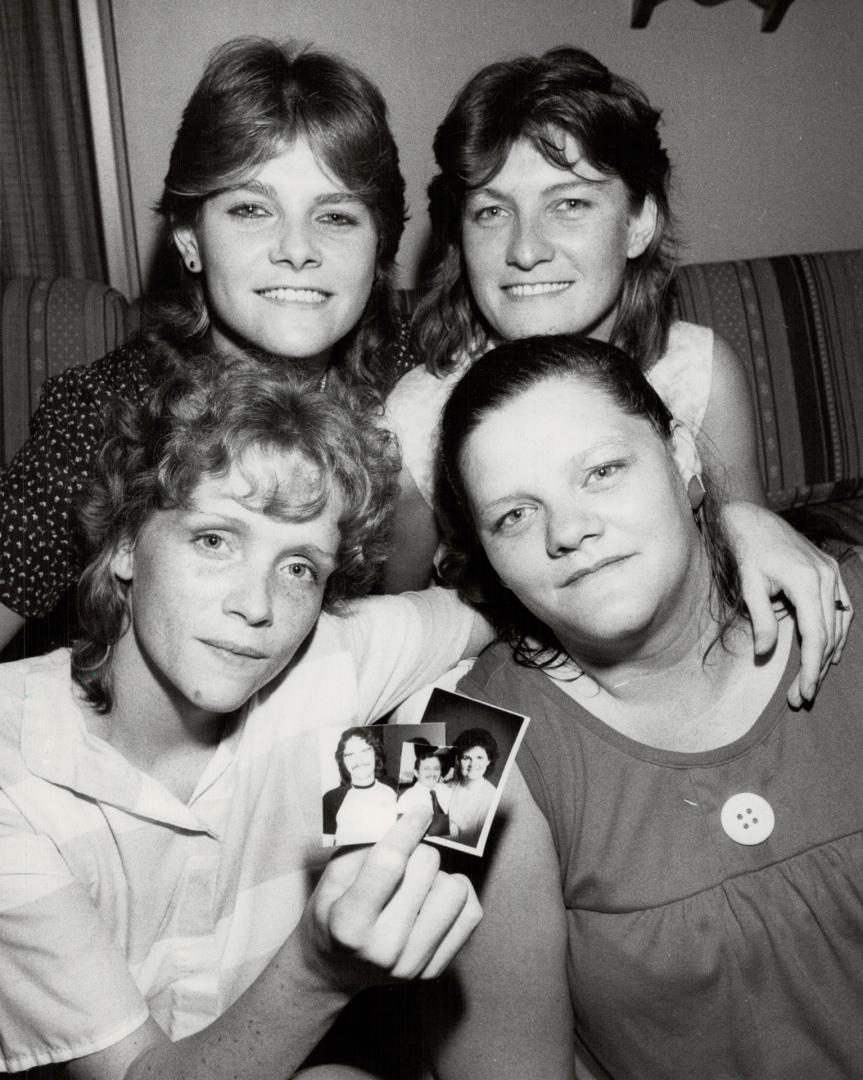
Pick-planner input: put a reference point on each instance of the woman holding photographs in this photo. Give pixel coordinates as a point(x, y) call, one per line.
point(283, 207)
point(690, 845)
point(160, 785)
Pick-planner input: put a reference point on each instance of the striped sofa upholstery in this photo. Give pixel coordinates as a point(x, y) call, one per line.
point(797, 323)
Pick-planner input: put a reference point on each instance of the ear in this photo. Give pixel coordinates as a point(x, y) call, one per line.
point(684, 452)
point(642, 226)
point(123, 561)
point(186, 242)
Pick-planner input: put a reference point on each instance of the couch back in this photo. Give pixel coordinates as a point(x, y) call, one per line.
point(795, 320)
point(47, 325)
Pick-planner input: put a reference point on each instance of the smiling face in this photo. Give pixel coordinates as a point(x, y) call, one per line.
point(359, 761)
point(473, 763)
point(428, 772)
point(221, 595)
point(287, 257)
point(582, 512)
point(546, 248)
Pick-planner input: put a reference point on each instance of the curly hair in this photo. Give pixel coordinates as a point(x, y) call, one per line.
point(565, 91)
point(477, 736)
point(501, 376)
point(206, 415)
point(255, 96)
point(368, 736)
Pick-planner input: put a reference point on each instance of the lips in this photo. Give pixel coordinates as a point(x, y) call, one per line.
point(529, 290)
point(232, 649)
point(588, 571)
point(286, 295)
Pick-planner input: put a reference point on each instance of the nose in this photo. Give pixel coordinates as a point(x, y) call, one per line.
point(528, 243)
point(294, 244)
point(250, 597)
point(568, 527)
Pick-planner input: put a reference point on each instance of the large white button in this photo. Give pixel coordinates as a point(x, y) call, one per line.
point(748, 818)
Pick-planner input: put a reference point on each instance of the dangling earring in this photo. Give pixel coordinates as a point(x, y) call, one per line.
point(695, 492)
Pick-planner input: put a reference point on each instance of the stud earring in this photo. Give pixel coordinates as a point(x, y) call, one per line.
point(192, 265)
point(695, 492)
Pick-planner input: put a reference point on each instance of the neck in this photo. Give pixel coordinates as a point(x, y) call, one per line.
point(229, 344)
point(669, 659)
point(150, 723)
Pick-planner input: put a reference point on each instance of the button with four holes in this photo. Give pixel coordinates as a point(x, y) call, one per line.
point(747, 818)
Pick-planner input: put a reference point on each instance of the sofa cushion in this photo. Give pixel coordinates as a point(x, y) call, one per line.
point(797, 323)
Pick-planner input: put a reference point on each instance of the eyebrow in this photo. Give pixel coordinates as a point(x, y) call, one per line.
point(552, 189)
point(267, 190)
point(614, 444)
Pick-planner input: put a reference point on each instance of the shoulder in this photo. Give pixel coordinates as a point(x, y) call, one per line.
point(491, 673)
point(682, 376)
point(125, 372)
point(30, 690)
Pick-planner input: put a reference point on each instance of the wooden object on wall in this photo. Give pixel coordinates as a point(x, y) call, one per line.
point(774, 10)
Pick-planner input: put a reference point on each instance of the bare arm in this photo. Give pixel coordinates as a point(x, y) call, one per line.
point(10, 624)
point(415, 540)
point(378, 914)
point(773, 557)
point(502, 1012)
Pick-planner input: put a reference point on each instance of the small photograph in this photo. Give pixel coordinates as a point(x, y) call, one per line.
point(361, 776)
point(482, 741)
point(454, 763)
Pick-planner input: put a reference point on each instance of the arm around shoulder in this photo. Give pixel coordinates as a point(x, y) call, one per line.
point(728, 433)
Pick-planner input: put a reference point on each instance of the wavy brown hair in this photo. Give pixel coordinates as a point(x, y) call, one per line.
point(566, 91)
point(255, 96)
point(206, 415)
point(501, 376)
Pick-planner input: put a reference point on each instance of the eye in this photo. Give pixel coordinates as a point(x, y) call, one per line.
point(210, 543)
point(247, 211)
point(300, 570)
point(513, 519)
point(571, 207)
point(606, 471)
point(489, 215)
point(338, 219)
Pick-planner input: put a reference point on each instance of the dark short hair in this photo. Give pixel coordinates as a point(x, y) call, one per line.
point(368, 736)
point(501, 376)
point(477, 736)
point(204, 416)
point(255, 96)
point(568, 91)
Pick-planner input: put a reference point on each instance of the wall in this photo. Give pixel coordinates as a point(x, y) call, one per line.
point(764, 129)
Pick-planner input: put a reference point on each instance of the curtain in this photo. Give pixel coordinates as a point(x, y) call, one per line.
point(49, 210)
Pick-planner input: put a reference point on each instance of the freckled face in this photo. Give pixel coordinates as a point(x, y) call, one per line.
point(359, 759)
point(288, 258)
point(221, 594)
point(546, 248)
point(582, 512)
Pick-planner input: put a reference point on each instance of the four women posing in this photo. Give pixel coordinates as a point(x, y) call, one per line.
point(576, 512)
